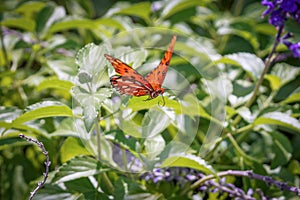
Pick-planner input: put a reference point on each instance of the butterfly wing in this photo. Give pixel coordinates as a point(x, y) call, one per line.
point(129, 82)
point(157, 76)
point(126, 85)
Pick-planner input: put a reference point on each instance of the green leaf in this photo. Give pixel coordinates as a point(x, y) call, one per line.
point(90, 103)
point(292, 98)
point(72, 147)
point(189, 161)
point(28, 9)
point(19, 23)
point(266, 29)
point(96, 195)
point(7, 125)
point(294, 167)
point(91, 60)
point(220, 87)
point(246, 114)
point(42, 110)
point(275, 81)
point(189, 105)
point(278, 118)
point(119, 192)
point(127, 125)
point(65, 69)
point(56, 84)
point(154, 122)
point(252, 64)
point(282, 150)
point(139, 103)
point(78, 167)
point(80, 185)
point(71, 23)
point(285, 72)
point(141, 10)
point(43, 16)
point(154, 146)
point(176, 6)
point(47, 16)
point(9, 113)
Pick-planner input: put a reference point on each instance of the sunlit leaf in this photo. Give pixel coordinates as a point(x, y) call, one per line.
point(154, 146)
point(189, 161)
point(21, 23)
point(278, 118)
point(76, 23)
point(90, 103)
point(141, 10)
point(154, 122)
point(285, 72)
point(38, 111)
point(91, 61)
point(292, 98)
point(47, 16)
point(275, 81)
point(78, 167)
point(252, 64)
point(176, 6)
point(220, 87)
point(29, 8)
point(55, 84)
point(72, 147)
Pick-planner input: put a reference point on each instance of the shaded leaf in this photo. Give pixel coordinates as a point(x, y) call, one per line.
point(282, 149)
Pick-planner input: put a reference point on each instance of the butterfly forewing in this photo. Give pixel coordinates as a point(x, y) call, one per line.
point(157, 76)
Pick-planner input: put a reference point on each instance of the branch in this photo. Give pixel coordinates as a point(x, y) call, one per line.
point(47, 163)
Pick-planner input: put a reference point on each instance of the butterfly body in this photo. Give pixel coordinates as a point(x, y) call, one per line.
point(130, 82)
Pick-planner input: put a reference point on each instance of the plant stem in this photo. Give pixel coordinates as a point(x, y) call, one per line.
point(98, 135)
point(47, 164)
point(4, 49)
point(268, 63)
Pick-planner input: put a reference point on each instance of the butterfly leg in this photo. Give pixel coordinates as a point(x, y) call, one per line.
point(164, 102)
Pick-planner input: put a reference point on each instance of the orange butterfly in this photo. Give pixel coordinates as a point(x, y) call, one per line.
point(130, 82)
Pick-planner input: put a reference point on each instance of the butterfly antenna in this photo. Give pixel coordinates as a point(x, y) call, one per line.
point(164, 102)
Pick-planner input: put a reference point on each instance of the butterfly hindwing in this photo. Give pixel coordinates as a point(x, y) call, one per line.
point(157, 76)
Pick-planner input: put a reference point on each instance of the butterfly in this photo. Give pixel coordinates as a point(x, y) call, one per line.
point(130, 82)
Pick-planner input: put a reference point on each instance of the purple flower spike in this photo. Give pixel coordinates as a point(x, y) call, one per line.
point(295, 48)
point(270, 6)
point(280, 11)
point(289, 6)
point(277, 18)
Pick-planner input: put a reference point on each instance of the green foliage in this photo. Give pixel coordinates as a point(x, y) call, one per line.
point(55, 87)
